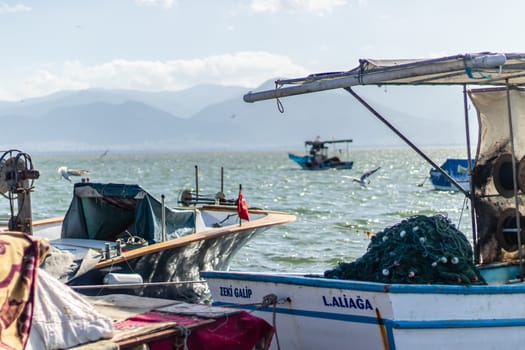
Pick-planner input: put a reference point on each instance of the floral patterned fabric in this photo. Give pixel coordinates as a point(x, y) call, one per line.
point(20, 256)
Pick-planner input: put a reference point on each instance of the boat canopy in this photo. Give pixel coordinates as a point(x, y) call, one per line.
point(498, 178)
point(321, 143)
point(111, 211)
point(483, 68)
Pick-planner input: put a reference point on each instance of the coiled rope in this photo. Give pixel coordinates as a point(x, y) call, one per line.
point(418, 250)
point(272, 300)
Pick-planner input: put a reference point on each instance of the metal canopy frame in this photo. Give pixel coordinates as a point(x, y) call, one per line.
point(481, 69)
point(485, 68)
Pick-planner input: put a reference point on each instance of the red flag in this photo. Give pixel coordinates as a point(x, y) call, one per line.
point(242, 207)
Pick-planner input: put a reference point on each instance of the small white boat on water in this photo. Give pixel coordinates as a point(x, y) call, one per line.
point(478, 301)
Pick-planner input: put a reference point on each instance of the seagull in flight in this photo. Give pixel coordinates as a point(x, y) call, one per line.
point(363, 180)
point(67, 173)
point(104, 154)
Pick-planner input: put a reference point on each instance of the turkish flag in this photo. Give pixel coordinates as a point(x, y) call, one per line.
point(242, 207)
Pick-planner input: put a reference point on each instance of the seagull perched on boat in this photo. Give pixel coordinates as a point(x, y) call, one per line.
point(66, 173)
point(363, 180)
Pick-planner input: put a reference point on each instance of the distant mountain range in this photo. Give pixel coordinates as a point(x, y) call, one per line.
point(215, 118)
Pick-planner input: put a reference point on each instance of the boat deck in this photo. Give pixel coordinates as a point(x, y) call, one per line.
point(155, 322)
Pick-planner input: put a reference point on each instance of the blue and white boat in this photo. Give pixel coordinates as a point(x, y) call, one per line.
point(311, 311)
point(318, 157)
point(457, 168)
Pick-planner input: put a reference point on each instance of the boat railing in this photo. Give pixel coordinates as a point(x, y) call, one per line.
point(194, 197)
point(189, 198)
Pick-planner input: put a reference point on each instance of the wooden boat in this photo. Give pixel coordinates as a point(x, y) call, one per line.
point(56, 317)
point(454, 167)
point(318, 158)
point(401, 308)
point(119, 237)
point(154, 323)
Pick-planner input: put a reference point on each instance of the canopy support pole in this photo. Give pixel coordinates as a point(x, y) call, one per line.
point(163, 218)
point(475, 239)
point(222, 179)
point(515, 182)
point(407, 141)
point(196, 184)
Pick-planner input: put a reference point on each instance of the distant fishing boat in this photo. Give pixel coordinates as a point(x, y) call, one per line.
point(456, 168)
point(318, 157)
point(443, 292)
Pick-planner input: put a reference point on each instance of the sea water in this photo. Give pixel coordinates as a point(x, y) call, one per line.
point(335, 215)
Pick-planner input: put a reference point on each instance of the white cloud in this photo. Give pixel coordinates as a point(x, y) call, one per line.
point(319, 7)
point(161, 3)
point(266, 5)
point(5, 8)
point(248, 69)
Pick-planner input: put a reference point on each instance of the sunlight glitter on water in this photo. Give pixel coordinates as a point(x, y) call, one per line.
point(333, 213)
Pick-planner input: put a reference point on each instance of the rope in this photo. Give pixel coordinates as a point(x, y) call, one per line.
point(421, 249)
point(267, 301)
point(224, 323)
point(274, 324)
point(272, 300)
point(182, 343)
point(465, 205)
point(135, 285)
point(280, 106)
point(470, 71)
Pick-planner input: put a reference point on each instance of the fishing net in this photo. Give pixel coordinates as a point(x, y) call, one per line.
point(418, 250)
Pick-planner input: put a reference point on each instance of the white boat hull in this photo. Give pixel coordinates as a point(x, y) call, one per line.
point(167, 269)
point(319, 313)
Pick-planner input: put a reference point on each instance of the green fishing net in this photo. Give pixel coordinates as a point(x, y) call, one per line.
point(418, 250)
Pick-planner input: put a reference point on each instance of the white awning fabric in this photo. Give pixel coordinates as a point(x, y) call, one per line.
point(485, 69)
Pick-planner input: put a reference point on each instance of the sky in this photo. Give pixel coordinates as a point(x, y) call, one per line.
point(156, 45)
